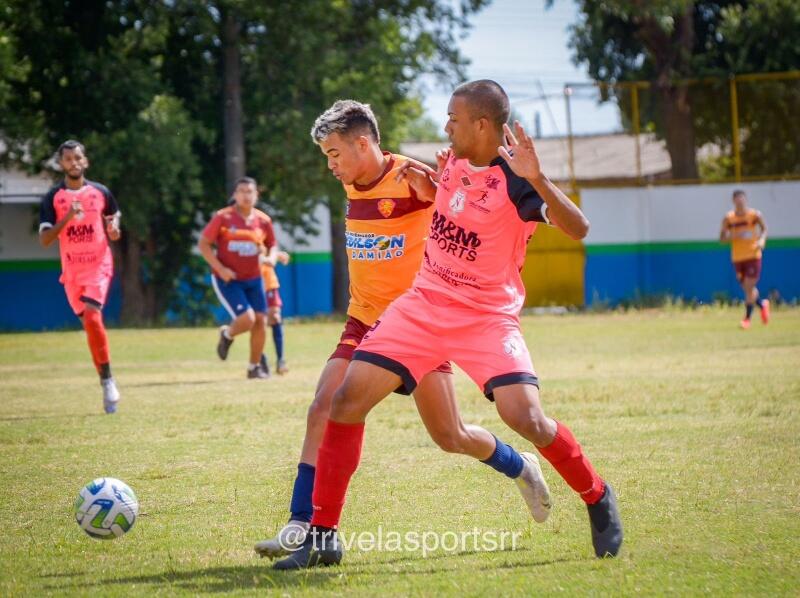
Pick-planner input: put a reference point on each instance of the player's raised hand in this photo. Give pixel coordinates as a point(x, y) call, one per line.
point(420, 177)
point(442, 156)
point(283, 257)
point(519, 152)
point(112, 227)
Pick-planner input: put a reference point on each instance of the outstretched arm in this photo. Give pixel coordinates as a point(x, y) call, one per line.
point(520, 154)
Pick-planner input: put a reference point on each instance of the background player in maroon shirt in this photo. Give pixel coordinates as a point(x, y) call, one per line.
point(82, 215)
point(240, 233)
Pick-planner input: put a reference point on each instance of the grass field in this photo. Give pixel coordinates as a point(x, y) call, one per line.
point(696, 423)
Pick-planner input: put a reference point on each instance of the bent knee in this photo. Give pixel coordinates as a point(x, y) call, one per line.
point(451, 441)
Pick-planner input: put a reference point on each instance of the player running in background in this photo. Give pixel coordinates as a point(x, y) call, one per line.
point(83, 215)
point(386, 226)
point(464, 306)
point(746, 231)
point(274, 304)
point(239, 232)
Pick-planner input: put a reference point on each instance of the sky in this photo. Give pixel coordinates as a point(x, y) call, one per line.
point(524, 47)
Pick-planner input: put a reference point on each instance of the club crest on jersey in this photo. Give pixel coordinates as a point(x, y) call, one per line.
point(457, 202)
point(492, 182)
point(386, 207)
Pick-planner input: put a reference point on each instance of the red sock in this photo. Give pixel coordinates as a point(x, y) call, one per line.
point(566, 456)
point(96, 336)
point(337, 461)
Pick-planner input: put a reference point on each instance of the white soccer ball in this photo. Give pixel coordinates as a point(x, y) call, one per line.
point(106, 508)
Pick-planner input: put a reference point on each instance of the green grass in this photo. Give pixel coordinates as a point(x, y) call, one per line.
point(695, 422)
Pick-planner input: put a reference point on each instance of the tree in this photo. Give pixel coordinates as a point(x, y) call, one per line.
point(146, 86)
point(666, 41)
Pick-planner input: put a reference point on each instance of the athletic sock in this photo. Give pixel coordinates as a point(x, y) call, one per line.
point(277, 338)
point(96, 337)
point(748, 311)
point(105, 371)
point(337, 461)
point(566, 456)
point(505, 459)
point(300, 506)
point(226, 332)
point(253, 366)
point(759, 303)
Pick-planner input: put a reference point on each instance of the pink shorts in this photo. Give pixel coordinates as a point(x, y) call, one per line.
point(79, 295)
point(421, 329)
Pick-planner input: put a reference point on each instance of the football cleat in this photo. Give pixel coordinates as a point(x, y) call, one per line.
point(289, 539)
point(282, 368)
point(321, 548)
point(533, 488)
point(224, 343)
point(110, 395)
point(744, 324)
point(606, 525)
point(264, 363)
point(765, 311)
point(257, 373)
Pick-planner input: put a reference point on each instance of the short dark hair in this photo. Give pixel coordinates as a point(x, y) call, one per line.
point(70, 144)
point(737, 192)
point(245, 180)
point(487, 99)
point(346, 117)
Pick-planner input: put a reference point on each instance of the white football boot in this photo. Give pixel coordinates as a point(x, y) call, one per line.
point(533, 488)
point(110, 395)
point(289, 539)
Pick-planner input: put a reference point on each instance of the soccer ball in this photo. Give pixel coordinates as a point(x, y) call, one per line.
point(106, 508)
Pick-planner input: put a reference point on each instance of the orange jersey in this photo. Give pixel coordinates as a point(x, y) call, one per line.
point(386, 227)
point(270, 278)
point(744, 236)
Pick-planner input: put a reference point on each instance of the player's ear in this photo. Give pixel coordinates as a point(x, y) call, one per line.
point(363, 143)
point(85, 162)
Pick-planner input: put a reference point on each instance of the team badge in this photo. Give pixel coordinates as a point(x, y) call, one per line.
point(457, 202)
point(386, 207)
point(512, 346)
point(492, 182)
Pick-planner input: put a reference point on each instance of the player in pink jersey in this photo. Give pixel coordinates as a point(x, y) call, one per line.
point(464, 307)
point(82, 215)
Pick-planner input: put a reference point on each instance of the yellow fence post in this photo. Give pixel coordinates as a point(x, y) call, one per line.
point(636, 129)
point(571, 157)
point(737, 154)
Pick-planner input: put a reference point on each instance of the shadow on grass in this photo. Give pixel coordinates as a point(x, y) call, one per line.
point(53, 416)
point(171, 383)
point(226, 579)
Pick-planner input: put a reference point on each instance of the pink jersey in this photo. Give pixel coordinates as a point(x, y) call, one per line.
point(483, 220)
point(85, 253)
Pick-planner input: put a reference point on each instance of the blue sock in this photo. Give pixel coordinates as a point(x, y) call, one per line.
point(758, 302)
point(505, 459)
point(748, 311)
point(301, 495)
point(277, 337)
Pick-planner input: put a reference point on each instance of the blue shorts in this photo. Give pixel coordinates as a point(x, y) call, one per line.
point(237, 296)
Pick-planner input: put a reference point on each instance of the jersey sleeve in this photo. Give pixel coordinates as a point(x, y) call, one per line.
point(111, 208)
point(530, 206)
point(269, 234)
point(211, 231)
point(47, 211)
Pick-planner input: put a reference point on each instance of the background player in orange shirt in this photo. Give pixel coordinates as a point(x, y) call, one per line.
point(82, 215)
point(274, 303)
point(386, 227)
point(746, 231)
point(239, 232)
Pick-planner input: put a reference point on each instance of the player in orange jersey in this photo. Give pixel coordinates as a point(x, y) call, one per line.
point(386, 227)
point(82, 216)
point(240, 232)
point(746, 231)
